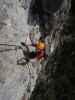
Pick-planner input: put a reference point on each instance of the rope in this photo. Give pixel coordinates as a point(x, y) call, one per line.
point(6, 50)
point(9, 49)
point(3, 44)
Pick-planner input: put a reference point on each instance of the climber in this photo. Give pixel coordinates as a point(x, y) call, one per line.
point(39, 52)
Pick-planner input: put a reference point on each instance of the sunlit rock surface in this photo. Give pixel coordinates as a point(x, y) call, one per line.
point(15, 80)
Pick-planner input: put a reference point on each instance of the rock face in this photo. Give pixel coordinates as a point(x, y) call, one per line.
point(15, 80)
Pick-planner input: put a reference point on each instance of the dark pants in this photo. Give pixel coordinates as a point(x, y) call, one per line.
point(32, 55)
point(29, 55)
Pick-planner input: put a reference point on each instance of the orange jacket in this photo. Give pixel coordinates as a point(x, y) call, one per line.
point(40, 49)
